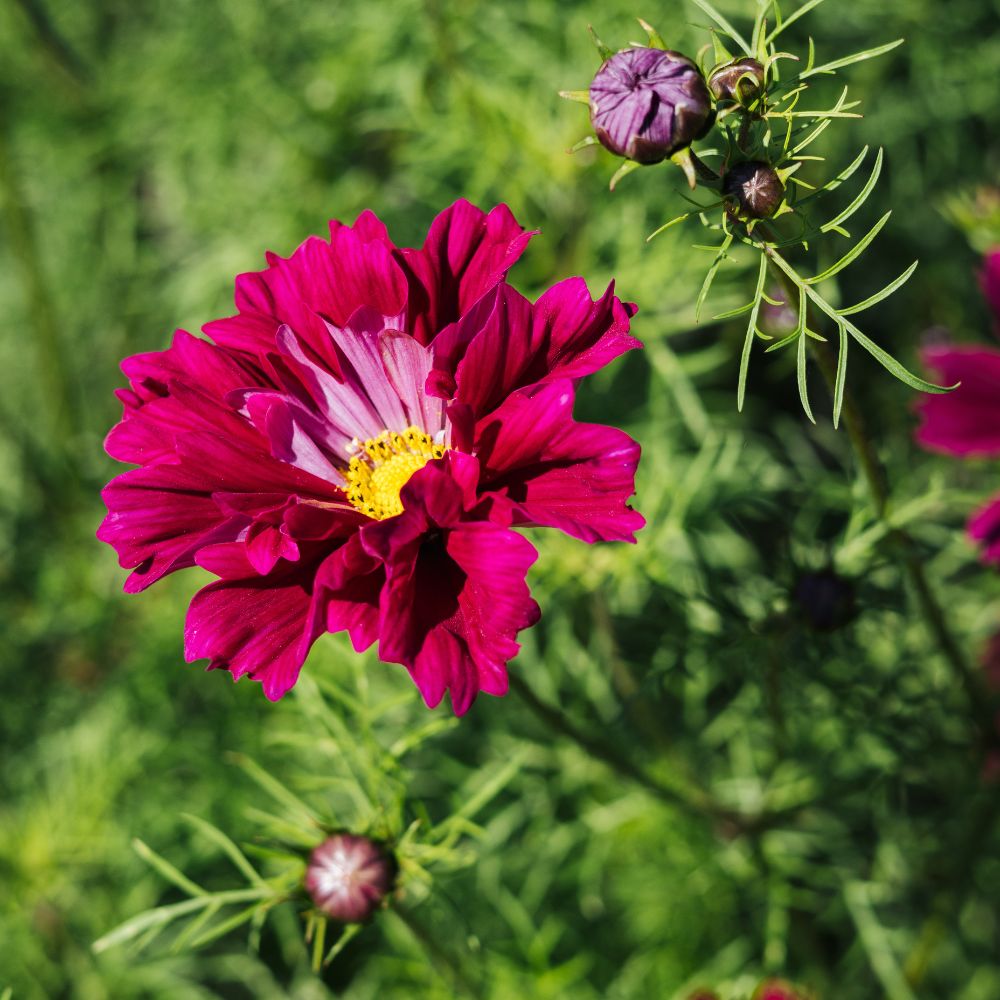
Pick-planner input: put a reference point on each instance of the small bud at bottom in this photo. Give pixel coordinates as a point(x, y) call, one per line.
point(348, 877)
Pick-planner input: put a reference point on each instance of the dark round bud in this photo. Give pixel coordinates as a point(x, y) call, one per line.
point(645, 104)
point(349, 876)
point(754, 188)
point(825, 600)
point(740, 80)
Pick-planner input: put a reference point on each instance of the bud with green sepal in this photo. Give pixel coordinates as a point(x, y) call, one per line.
point(738, 84)
point(757, 196)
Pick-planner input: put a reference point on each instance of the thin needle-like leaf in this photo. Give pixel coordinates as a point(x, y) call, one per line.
point(667, 225)
point(349, 933)
point(835, 182)
point(800, 367)
point(832, 67)
point(883, 294)
point(892, 365)
point(851, 254)
point(166, 869)
point(238, 858)
point(275, 788)
point(162, 915)
point(883, 357)
point(792, 18)
point(751, 333)
point(862, 197)
point(733, 313)
point(225, 926)
point(725, 25)
point(710, 277)
point(841, 378)
point(812, 136)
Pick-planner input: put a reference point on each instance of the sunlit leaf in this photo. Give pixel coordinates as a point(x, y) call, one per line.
point(710, 276)
point(862, 197)
point(750, 334)
point(852, 254)
point(880, 295)
point(857, 57)
point(724, 24)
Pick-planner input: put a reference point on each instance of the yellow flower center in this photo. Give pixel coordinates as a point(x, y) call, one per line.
point(384, 466)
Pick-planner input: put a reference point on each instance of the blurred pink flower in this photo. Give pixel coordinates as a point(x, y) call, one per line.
point(966, 422)
point(989, 280)
point(353, 450)
point(776, 989)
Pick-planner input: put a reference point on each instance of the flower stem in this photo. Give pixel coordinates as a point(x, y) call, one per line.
point(686, 796)
point(878, 488)
point(19, 223)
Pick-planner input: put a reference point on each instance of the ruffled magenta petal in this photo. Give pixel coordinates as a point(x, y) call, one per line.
point(321, 282)
point(157, 523)
point(348, 586)
point(559, 473)
point(454, 596)
point(565, 334)
point(466, 253)
point(258, 627)
point(495, 603)
point(965, 421)
point(243, 447)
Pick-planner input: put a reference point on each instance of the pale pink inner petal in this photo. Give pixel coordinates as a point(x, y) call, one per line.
point(407, 365)
point(359, 343)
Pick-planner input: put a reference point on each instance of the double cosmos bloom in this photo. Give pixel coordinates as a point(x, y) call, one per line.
point(354, 448)
point(966, 422)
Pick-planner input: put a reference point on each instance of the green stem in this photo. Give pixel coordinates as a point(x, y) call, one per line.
point(21, 232)
point(692, 800)
point(687, 797)
point(878, 488)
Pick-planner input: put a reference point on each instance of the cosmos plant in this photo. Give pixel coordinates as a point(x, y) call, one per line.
point(354, 448)
point(749, 102)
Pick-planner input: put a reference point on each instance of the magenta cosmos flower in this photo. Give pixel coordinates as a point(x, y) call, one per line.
point(355, 448)
point(966, 422)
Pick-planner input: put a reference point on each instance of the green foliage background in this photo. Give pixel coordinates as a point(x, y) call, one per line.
point(149, 152)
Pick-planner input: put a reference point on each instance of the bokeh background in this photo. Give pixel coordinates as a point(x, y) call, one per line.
point(149, 152)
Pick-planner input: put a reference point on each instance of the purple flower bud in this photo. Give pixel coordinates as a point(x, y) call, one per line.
point(754, 188)
point(740, 80)
point(647, 103)
point(348, 877)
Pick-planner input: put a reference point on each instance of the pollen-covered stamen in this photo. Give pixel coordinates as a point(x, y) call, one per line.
point(384, 465)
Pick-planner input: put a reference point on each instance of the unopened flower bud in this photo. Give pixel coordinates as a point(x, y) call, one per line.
point(776, 989)
point(349, 876)
point(646, 104)
point(825, 600)
point(740, 80)
point(754, 189)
